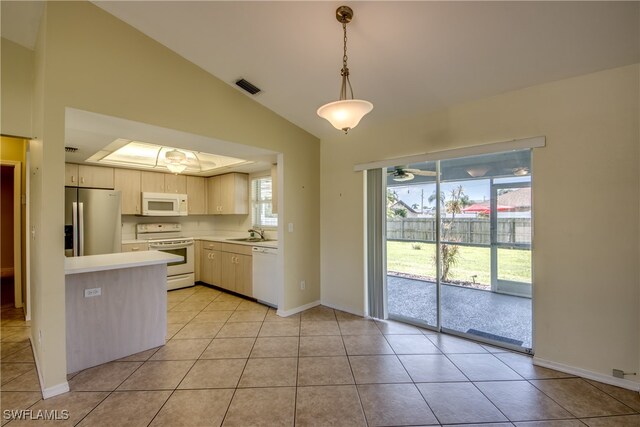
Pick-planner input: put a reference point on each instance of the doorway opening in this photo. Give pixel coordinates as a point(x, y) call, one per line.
point(458, 247)
point(7, 272)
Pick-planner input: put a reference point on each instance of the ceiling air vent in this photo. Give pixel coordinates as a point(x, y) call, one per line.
point(70, 149)
point(248, 86)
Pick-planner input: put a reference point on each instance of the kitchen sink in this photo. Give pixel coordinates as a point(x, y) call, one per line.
point(251, 239)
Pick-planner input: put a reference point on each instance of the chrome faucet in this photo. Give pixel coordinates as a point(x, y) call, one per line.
point(260, 231)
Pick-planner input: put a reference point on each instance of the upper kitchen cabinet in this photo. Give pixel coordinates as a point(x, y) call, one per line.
point(88, 176)
point(128, 182)
point(196, 195)
point(175, 184)
point(228, 194)
point(71, 175)
point(152, 182)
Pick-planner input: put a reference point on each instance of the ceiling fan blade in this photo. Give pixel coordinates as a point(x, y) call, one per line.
point(407, 176)
point(421, 172)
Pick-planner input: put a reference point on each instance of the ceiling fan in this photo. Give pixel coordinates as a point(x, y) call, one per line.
point(402, 173)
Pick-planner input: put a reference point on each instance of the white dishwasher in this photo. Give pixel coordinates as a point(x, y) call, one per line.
point(265, 275)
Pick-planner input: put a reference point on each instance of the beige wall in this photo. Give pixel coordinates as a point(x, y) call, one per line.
point(586, 198)
point(17, 89)
point(89, 60)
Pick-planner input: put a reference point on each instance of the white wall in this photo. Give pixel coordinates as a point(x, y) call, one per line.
point(586, 202)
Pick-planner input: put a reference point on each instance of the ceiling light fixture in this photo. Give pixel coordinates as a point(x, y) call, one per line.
point(477, 171)
point(521, 171)
point(176, 161)
point(345, 114)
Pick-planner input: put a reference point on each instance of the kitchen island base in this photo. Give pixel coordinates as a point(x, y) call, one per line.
point(128, 316)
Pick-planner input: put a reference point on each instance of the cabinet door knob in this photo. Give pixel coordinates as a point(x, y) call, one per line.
point(73, 178)
point(135, 248)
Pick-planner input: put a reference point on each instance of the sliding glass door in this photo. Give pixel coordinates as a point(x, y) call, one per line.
point(412, 292)
point(459, 246)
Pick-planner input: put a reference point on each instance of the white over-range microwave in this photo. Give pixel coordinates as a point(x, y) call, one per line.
point(164, 204)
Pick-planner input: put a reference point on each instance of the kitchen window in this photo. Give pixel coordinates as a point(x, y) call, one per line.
point(261, 194)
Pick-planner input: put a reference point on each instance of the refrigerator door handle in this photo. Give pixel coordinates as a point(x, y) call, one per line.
point(81, 228)
point(74, 225)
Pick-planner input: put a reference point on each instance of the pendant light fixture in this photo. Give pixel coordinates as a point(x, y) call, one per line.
point(346, 113)
point(176, 161)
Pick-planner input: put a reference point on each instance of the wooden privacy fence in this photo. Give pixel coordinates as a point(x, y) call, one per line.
point(463, 230)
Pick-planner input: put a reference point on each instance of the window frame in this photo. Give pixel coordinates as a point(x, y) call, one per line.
point(253, 202)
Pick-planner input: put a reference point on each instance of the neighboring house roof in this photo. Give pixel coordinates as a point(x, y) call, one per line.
point(520, 198)
point(516, 199)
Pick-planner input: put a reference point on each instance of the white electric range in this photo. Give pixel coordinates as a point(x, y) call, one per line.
point(167, 237)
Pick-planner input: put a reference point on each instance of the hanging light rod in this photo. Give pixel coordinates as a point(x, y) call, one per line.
point(346, 113)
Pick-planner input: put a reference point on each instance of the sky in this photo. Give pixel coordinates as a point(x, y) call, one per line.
point(478, 190)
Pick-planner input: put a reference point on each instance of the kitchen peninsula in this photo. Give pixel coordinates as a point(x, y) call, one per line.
point(116, 305)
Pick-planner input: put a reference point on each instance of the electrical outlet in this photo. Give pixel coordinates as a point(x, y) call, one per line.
point(39, 337)
point(290, 227)
point(94, 292)
point(302, 285)
point(618, 373)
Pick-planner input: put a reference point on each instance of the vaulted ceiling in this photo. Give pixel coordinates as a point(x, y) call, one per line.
point(404, 57)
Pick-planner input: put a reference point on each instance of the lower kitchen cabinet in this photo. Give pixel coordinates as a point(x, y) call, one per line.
point(210, 266)
point(237, 273)
point(227, 266)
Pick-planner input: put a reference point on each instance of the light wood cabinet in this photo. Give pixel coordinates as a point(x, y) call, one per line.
point(210, 267)
point(196, 195)
point(152, 182)
point(244, 275)
point(128, 182)
point(95, 176)
point(71, 178)
point(228, 277)
point(228, 266)
point(214, 203)
point(134, 247)
point(228, 194)
point(88, 176)
point(175, 184)
point(237, 272)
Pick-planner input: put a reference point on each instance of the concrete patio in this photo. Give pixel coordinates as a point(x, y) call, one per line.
point(478, 312)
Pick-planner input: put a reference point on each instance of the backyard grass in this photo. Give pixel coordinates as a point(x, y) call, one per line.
point(513, 264)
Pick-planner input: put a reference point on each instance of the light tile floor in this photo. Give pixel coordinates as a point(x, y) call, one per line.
point(230, 361)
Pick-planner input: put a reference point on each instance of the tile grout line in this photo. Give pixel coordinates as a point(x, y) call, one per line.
point(424, 399)
point(469, 379)
point(355, 382)
point(194, 363)
point(235, 389)
point(586, 382)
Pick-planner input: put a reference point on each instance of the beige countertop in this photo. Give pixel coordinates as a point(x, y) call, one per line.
point(217, 238)
point(91, 263)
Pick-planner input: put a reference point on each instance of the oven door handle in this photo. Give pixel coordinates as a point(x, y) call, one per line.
point(162, 246)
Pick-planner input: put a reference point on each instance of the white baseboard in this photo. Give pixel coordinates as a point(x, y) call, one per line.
point(607, 379)
point(49, 391)
point(285, 313)
point(346, 310)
